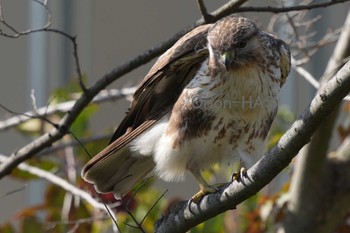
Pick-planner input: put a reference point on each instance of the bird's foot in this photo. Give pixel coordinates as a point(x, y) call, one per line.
point(204, 190)
point(239, 175)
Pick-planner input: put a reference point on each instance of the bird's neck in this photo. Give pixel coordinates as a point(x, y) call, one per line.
point(235, 85)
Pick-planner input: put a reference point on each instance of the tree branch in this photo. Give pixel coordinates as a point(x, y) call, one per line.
point(180, 219)
point(208, 18)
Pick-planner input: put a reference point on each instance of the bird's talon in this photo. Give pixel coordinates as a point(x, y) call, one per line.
point(234, 176)
point(202, 192)
point(239, 175)
point(195, 199)
point(189, 203)
point(243, 172)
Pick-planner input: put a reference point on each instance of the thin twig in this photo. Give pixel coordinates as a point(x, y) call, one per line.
point(16, 33)
point(104, 95)
point(138, 189)
point(73, 39)
point(155, 203)
point(304, 73)
point(27, 116)
point(208, 18)
point(13, 191)
point(80, 143)
point(308, 77)
point(73, 143)
point(138, 225)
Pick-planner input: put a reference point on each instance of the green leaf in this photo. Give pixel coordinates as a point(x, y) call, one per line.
point(67, 92)
point(80, 125)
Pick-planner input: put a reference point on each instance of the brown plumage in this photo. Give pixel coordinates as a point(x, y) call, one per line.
point(209, 99)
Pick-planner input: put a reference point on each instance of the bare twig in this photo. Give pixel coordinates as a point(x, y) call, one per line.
point(71, 177)
point(13, 191)
point(73, 39)
point(306, 74)
point(104, 95)
point(308, 77)
point(16, 33)
point(74, 142)
point(144, 182)
point(208, 18)
point(138, 225)
point(25, 116)
point(154, 204)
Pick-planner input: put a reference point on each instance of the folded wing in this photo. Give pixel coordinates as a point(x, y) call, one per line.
point(116, 168)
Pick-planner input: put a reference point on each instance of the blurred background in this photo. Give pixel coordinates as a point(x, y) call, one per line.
point(108, 33)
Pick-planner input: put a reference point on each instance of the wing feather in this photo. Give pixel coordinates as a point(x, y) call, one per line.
point(114, 168)
point(165, 81)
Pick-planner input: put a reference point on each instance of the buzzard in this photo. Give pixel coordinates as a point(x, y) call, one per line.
point(211, 98)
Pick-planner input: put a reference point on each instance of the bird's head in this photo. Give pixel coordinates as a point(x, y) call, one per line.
point(233, 43)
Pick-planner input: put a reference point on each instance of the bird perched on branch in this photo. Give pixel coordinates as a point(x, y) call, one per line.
point(211, 98)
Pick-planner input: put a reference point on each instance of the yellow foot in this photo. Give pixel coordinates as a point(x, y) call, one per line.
point(204, 191)
point(238, 175)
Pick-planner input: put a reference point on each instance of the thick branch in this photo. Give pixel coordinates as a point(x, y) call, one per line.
point(180, 219)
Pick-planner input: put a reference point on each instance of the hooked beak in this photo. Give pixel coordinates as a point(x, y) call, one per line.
point(228, 58)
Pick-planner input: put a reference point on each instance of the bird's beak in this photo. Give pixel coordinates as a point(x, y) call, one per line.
point(228, 58)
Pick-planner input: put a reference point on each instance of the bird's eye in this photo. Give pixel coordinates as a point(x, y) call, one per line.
point(242, 44)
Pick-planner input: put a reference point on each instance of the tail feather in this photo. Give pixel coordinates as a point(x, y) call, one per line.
point(119, 173)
